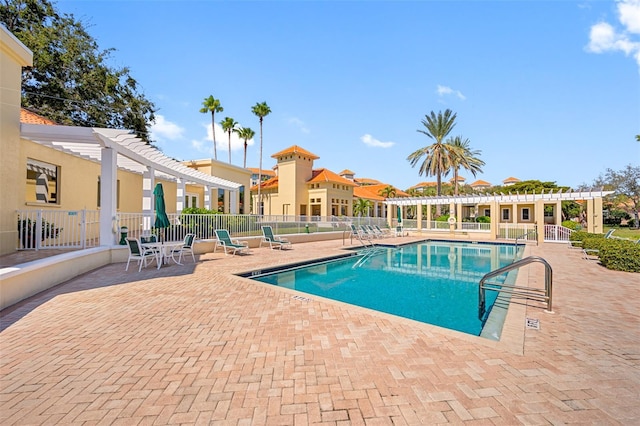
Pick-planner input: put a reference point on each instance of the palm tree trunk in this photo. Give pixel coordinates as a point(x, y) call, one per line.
point(213, 129)
point(244, 162)
point(260, 169)
point(229, 146)
point(439, 192)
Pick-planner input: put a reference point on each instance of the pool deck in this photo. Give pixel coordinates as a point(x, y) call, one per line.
point(194, 344)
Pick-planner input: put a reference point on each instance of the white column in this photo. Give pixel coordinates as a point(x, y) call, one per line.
point(108, 197)
point(233, 202)
point(148, 182)
point(207, 197)
point(180, 195)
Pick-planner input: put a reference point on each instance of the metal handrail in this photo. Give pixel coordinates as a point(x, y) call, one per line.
point(535, 231)
point(525, 292)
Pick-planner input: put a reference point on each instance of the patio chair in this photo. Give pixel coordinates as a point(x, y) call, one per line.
point(269, 238)
point(139, 253)
point(185, 247)
point(223, 239)
point(399, 231)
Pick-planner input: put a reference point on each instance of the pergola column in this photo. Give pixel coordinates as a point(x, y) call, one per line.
point(539, 215)
point(428, 216)
point(108, 197)
point(459, 215)
point(148, 182)
point(558, 213)
point(419, 216)
point(180, 195)
point(598, 227)
point(390, 215)
point(591, 216)
point(207, 197)
point(233, 201)
point(494, 224)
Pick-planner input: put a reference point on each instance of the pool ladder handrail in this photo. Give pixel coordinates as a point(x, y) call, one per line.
point(528, 293)
point(367, 253)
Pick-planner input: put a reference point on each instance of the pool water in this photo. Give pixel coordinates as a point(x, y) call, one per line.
point(435, 282)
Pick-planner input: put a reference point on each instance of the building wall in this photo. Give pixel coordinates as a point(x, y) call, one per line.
point(294, 170)
point(13, 56)
point(228, 172)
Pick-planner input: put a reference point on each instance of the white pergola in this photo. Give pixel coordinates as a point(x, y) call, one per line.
point(495, 200)
point(117, 149)
point(502, 198)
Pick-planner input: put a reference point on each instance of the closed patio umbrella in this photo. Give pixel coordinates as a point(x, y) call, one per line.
point(399, 215)
point(162, 221)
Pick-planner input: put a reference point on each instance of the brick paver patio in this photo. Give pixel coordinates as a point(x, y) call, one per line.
point(194, 344)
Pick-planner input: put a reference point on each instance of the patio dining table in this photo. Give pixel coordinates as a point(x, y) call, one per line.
point(163, 250)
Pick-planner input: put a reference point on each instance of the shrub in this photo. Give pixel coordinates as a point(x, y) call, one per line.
point(571, 225)
point(483, 219)
point(620, 255)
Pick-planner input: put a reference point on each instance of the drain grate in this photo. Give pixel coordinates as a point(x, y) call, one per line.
point(533, 323)
point(301, 298)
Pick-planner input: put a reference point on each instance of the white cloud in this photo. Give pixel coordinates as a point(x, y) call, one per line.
point(370, 141)
point(604, 37)
point(164, 129)
point(299, 124)
point(222, 141)
point(445, 90)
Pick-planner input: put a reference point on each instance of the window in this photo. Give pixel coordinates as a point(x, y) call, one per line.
point(43, 182)
point(117, 193)
point(525, 213)
point(505, 214)
point(221, 200)
point(241, 195)
point(191, 200)
point(487, 212)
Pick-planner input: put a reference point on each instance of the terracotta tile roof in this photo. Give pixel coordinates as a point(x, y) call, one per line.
point(367, 181)
point(265, 172)
point(424, 185)
point(326, 175)
point(346, 172)
point(372, 192)
point(460, 179)
point(29, 117)
point(295, 149)
point(267, 184)
point(480, 183)
point(511, 179)
point(364, 192)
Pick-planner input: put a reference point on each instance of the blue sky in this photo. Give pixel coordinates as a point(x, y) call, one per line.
point(547, 90)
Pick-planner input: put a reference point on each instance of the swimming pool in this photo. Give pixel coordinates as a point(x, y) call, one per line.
point(435, 282)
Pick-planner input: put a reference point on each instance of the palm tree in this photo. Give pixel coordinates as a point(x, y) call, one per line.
point(638, 138)
point(261, 110)
point(362, 207)
point(465, 157)
point(245, 133)
point(388, 191)
point(212, 105)
point(228, 124)
point(437, 155)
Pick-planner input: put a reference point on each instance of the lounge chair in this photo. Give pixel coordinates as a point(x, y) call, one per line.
point(399, 231)
point(185, 247)
point(359, 234)
point(140, 253)
point(383, 232)
point(369, 233)
point(223, 239)
point(269, 238)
